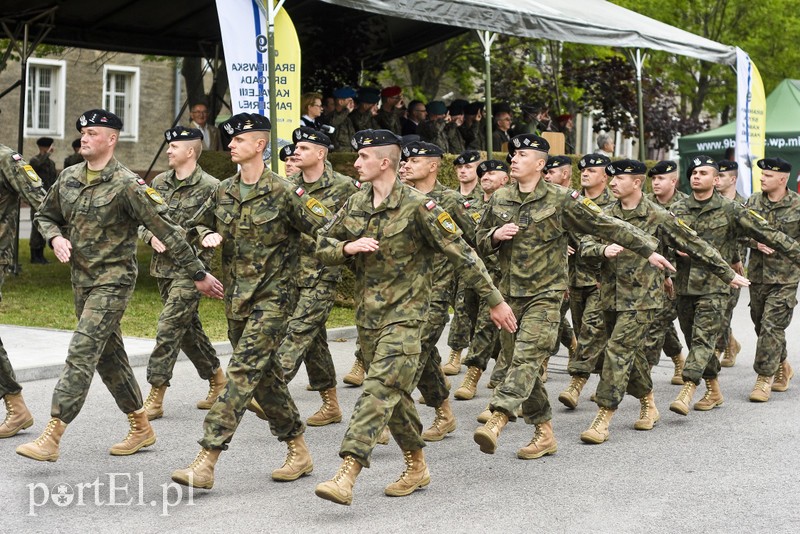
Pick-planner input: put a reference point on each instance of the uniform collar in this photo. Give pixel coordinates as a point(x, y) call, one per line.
point(262, 187)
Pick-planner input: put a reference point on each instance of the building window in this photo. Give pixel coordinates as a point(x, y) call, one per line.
point(121, 97)
point(44, 98)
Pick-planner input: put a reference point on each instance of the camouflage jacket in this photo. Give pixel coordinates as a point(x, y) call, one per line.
point(433, 132)
point(722, 223)
point(535, 260)
point(474, 203)
point(389, 120)
point(455, 141)
point(362, 120)
point(585, 272)
point(628, 281)
point(785, 216)
point(393, 284)
point(72, 159)
point(332, 190)
point(474, 135)
point(103, 220)
point(260, 240)
point(46, 169)
point(183, 198)
point(344, 131)
point(17, 178)
point(679, 195)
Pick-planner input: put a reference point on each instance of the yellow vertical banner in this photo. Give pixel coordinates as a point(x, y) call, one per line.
point(751, 123)
point(287, 77)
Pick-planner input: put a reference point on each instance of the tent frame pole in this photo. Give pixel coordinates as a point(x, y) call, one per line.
point(487, 38)
point(638, 61)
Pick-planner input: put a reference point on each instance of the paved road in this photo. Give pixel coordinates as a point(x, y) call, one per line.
point(734, 469)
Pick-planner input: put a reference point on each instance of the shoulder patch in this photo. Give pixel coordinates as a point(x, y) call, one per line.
point(446, 222)
point(316, 207)
point(154, 196)
point(476, 217)
point(299, 191)
point(429, 205)
point(594, 208)
point(575, 194)
point(32, 176)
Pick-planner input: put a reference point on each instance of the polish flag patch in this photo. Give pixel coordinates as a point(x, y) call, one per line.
point(299, 191)
point(430, 205)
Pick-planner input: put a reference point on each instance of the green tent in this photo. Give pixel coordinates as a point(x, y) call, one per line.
point(783, 133)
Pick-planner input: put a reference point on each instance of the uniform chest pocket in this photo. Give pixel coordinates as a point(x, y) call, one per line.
point(354, 227)
point(716, 227)
point(268, 226)
point(790, 224)
point(398, 239)
point(69, 195)
point(224, 217)
point(546, 224)
point(105, 210)
point(504, 216)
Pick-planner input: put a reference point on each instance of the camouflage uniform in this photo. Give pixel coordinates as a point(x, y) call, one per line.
point(474, 135)
point(17, 178)
point(344, 131)
point(585, 307)
point(455, 142)
point(306, 338)
point(394, 284)
point(774, 279)
point(389, 120)
point(662, 334)
point(702, 297)
point(534, 267)
point(631, 292)
point(261, 237)
point(741, 256)
point(362, 120)
point(179, 327)
point(72, 159)
point(103, 218)
point(46, 169)
point(434, 132)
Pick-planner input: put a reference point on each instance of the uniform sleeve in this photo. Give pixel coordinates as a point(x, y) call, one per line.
point(332, 238)
point(202, 223)
point(441, 232)
point(455, 207)
point(687, 240)
point(486, 229)
point(307, 214)
point(591, 248)
point(24, 180)
point(49, 218)
point(753, 225)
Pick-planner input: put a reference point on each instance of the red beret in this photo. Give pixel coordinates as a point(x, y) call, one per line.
point(391, 91)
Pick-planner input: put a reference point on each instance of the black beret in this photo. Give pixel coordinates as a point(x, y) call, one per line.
point(304, 134)
point(473, 108)
point(470, 156)
point(421, 149)
point(554, 162)
point(370, 138)
point(286, 152)
point(774, 164)
point(457, 107)
point(179, 133)
point(727, 165)
point(530, 141)
point(625, 166)
point(410, 138)
point(369, 95)
point(246, 122)
point(98, 117)
point(76, 143)
point(510, 154)
point(593, 160)
point(701, 161)
point(663, 167)
point(45, 142)
point(491, 165)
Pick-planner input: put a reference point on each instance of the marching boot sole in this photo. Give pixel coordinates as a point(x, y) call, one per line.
point(290, 478)
point(15, 431)
point(408, 491)
point(128, 452)
point(186, 482)
point(323, 492)
point(485, 440)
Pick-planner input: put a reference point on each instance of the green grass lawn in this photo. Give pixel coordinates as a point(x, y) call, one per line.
point(42, 296)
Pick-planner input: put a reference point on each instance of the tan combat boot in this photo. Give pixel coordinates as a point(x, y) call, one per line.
point(485, 415)
point(17, 416)
point(542, 443)
point(598, 432)
point(356, 375)
point(216, 384)
point(486, 435)
point(712, 398)
point(677, 377)
point(572, 350)
point(648, 414)
point(255, 407)
point(329, 412)
point(200, 473)
point(543, 370)
point(298, 461)
point(681, 403)
point(339, 489)
point(383, 439)
point(762, 389)
point(45, 447)
point(569, 397)
point(154, 403)
point(453, 365)
point(140, 435)
point(443, 423)
point(470, 384)
point(415, 476)
point(731, 351)
point(782, 377)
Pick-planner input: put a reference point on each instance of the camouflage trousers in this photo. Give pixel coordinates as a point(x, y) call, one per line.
point(253, 372)
point(565, 331)
point(625, 367)
point(725, 327)
point(465, 314)
point(179, 328)
point(661, 335)
point(486, 341)
point(587, 317)
point(307, 339)
point(8, 380)
point(538, 319)
point(97, 344)
point(391, 356)
point(429, 377)
point(37, 241)
point(771, 309)
point(699, 319)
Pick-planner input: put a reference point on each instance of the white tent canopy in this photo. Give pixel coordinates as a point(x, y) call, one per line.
point(594, 22)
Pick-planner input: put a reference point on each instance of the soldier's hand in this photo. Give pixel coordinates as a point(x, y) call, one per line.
point(570, 250)
point(210, 287)
point(738, 268)
point(157, 245)
point(669, 288)
point(211, 240)
point(503, 317)
point(613, 250)
point(765, 249)
point(363, 244)
point(504, 233)
point(657, 260)
point(739, 281)
point(62, 247)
